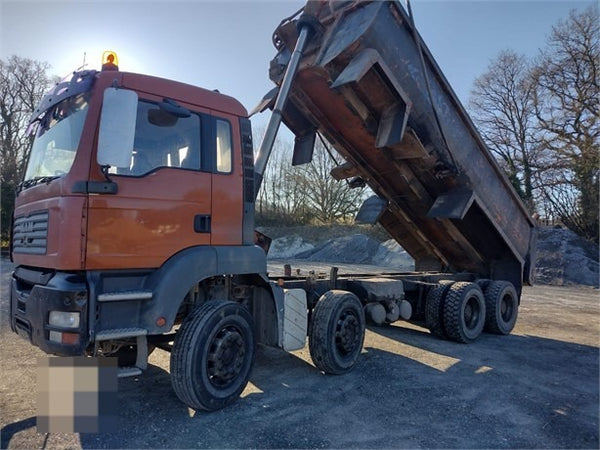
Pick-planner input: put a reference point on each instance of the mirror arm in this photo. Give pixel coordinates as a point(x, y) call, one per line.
point(96, 187)
point(105, 168)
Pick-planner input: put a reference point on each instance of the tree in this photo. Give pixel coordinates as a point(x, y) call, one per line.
point(541, 120)
point(23, 82)
point(327, 199)
point(567, 106)
point(503, 110)
point(280, 199)
point(303, 194)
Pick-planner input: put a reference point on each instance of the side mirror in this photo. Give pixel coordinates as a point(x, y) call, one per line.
point(117, 127)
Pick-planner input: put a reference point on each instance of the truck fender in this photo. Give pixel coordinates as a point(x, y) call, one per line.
point(182, 271)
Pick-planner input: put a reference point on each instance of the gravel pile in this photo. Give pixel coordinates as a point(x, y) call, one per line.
point(288, 247)
point(563, 258)
point(391, 254)
point(353, 249)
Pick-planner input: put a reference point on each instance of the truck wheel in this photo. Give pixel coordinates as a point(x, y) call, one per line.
point(502, 306)
point(434, 310)
point(213, 355)
point(337, 332)
point(464, 312)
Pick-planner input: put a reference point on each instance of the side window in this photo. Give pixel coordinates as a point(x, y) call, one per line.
point(163, 140)
point(224, 148)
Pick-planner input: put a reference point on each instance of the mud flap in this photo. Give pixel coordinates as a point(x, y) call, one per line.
point(295, 319)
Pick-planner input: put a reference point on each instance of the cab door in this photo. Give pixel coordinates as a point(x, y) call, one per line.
point(227, 181)
point(163, 202)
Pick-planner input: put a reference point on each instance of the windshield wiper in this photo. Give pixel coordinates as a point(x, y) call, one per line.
point(35, 180)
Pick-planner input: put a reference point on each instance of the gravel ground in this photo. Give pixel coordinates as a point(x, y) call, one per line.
point(537, 388)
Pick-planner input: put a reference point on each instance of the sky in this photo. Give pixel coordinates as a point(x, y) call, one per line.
point(226, 45)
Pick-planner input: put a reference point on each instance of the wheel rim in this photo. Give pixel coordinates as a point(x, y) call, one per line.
point(506, 308)
point(472, 313)
point(347, 333)
point(226, 357)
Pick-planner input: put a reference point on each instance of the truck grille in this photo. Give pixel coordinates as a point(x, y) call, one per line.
point(30, 233)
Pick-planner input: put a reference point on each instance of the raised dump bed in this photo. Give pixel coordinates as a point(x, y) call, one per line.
point(369, 85)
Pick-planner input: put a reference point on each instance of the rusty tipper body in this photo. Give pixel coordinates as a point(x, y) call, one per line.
point(370, 86)
point(134, 225)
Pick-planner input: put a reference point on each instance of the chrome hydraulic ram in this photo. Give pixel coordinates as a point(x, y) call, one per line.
point(275, 120)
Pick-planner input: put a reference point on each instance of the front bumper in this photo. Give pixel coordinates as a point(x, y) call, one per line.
point(34, 293)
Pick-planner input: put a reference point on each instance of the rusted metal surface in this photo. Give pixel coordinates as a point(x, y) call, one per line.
point(361, 84)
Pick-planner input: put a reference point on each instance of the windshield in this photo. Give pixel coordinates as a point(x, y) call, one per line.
point(56, 140)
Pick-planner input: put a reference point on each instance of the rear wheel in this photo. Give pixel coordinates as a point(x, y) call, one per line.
point(464, 312)
point(337, 332)
point(502, 306)
point(213, 355)
point(434, 310)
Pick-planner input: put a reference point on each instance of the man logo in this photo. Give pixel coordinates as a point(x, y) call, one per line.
point(27, 226)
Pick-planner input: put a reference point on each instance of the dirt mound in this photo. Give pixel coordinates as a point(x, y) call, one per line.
point(564, 258)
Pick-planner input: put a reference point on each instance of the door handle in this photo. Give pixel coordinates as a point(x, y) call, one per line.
point(202, 223)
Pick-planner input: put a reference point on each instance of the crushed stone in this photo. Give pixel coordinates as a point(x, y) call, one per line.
point(289, 247)
point(563, 258)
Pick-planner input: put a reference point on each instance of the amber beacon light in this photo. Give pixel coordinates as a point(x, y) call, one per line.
point(110, 61)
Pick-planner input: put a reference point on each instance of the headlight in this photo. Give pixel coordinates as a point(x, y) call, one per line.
point(64, 319)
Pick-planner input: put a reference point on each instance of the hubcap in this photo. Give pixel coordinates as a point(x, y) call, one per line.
point(471, 313)
point(226, 356)
point(506, 308)
point(347, 332)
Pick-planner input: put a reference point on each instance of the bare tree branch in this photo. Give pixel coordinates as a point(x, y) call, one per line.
point(22, 84)
point(567, 106)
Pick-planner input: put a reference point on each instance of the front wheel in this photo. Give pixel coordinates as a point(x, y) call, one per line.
point(337, 332)
point(213, 355)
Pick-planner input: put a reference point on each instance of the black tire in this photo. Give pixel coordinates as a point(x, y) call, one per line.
point(464, 312)
point(501, 306)
point(212, 355)
point(337, 332)
point(434, 310)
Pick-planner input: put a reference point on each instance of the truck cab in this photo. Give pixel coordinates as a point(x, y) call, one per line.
point(135, 186)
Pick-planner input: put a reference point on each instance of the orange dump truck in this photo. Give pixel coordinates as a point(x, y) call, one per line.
point(134, 224)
